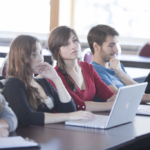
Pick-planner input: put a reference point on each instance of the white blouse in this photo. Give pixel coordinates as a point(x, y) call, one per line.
point(49, 102)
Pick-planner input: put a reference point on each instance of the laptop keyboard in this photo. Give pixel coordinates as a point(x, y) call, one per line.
point(143, 110)
point(99, 122)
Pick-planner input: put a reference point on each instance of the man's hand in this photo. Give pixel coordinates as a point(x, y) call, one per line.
point(115, 65)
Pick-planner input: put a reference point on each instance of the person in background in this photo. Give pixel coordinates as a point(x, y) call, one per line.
point(34, 101)
point(102, 40)
point(8, 120)
point(79, 78)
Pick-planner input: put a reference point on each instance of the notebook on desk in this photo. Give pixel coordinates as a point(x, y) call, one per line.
point(143, 110)
point(16, 142)
point(123, 110)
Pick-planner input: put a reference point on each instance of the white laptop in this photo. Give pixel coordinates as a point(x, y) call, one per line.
point(123, 110)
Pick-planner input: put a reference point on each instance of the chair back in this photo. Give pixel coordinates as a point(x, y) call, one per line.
point(144, 51)
point(87, 55)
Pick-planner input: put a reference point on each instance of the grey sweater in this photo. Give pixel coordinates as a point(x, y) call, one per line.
point(8, 115)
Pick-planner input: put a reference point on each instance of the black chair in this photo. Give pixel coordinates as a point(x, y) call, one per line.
point(147, 91)
point(3, 67)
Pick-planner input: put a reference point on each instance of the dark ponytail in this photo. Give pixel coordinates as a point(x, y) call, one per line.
point(62, 69)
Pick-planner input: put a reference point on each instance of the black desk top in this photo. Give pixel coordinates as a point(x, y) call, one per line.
point(139, 127)
point(58, 136)
point(57, 139)
point(133, 58)
point(134, 61)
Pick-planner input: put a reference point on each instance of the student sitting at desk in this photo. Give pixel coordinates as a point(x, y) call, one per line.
point(8, 120)
point(35, 100)
point(79, 78)
point(102, 40)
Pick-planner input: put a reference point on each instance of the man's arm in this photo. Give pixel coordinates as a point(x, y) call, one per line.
point(145, 98)
point(116, 66)
point(113, 88)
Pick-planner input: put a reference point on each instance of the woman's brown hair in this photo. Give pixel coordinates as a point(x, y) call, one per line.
point(19, 65)
point(57, 38)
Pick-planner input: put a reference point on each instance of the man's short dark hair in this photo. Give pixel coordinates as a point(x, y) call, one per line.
point(98, 34)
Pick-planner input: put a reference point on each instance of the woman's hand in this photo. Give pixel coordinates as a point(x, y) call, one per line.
point(4, 132)
point(61, 117)
point(47, 71)
point(4, 127)
point(86, 115)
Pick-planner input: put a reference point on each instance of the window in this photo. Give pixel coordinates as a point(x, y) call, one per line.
point(129, 17)
point(24, 16)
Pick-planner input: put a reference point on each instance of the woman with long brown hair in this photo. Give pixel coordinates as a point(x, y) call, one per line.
point(79, 78)
point(35, 100)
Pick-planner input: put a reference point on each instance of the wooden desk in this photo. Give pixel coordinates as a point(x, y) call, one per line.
point(57, 139)
point(134, 61)
point(139, 127)
point(139, 130)
point(4, 50)
point(1, 61)
point(61, 137)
